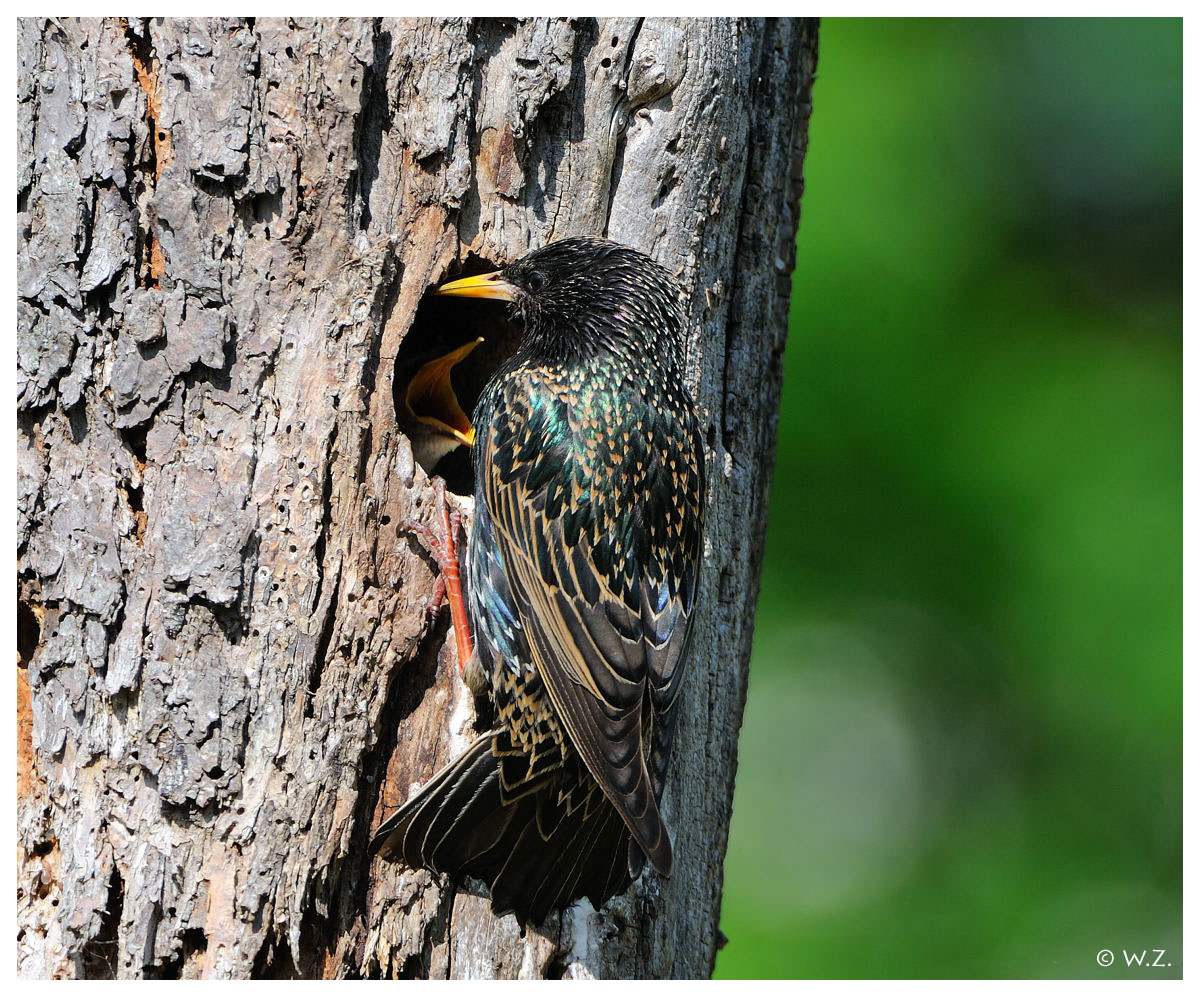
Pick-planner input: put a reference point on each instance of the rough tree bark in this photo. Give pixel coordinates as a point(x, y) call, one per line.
point(226, 677)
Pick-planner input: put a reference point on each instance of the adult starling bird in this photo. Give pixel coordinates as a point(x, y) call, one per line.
point(582, 567)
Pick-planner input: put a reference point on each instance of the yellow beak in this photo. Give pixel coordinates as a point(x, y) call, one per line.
point(430, 396)
point(488, 285)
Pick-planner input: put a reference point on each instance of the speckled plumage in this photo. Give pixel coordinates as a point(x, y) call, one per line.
point(581, 576)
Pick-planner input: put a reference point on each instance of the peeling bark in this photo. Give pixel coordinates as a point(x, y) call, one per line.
point(226, 672)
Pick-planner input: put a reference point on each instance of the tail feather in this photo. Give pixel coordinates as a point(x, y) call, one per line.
point(534, 853)
point(425, 820)
point(549, 870)
point(514, 885)
point(605, 875)
point(564, 870)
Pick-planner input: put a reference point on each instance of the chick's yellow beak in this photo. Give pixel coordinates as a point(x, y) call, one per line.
point(488, 285)
point(430, 397)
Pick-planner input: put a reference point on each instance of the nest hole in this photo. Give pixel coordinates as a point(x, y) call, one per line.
point(440, 326)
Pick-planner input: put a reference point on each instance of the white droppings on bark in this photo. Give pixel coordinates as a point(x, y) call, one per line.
point(580, 917)
point(462, 716)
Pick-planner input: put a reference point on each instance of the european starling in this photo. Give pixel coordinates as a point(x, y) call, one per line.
point(581, 575)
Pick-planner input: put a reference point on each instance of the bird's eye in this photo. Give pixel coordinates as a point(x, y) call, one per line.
point(536, 281)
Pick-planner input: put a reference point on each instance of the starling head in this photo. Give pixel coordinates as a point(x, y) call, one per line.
point(581, 297)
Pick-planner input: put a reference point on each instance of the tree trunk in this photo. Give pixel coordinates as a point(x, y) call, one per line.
point(226, 673)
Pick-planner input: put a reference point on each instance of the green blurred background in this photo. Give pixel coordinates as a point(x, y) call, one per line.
point(962, 747)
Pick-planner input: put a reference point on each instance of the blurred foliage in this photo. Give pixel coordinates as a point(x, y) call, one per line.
point(962, 747)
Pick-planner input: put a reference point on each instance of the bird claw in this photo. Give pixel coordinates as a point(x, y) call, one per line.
point(436, 598)
point(441, 539)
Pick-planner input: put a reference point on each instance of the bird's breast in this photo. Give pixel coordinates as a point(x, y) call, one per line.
point(613, 458)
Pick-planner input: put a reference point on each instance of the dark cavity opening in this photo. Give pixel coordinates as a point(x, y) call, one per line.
point(29, 632)
point(440, 326)
point(101, 956)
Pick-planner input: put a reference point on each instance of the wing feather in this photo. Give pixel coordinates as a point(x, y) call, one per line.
point(601, 575)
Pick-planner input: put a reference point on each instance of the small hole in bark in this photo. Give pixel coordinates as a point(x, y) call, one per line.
point(135, 440)
point(440, 326)
point(193, 944)
point(615, 41)
point(606, 63)
point(133, 498)
point(265, 208)
point(29, 632)
point(413, 969)
point(384, 520)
